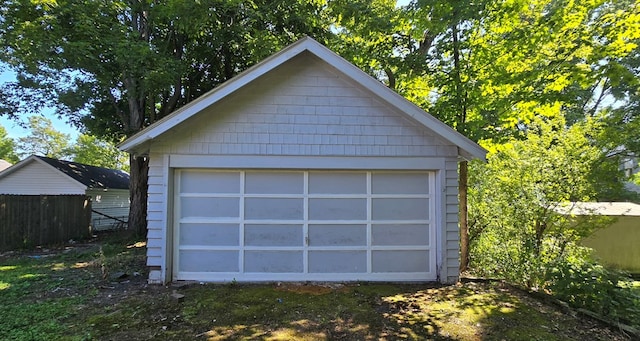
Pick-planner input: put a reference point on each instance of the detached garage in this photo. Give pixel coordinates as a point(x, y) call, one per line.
point(39, 175)
point(302, 168)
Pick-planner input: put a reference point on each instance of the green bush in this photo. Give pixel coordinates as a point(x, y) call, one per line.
point(587, 285)
point(516, 230)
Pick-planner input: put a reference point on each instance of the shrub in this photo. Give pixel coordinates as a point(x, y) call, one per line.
point(584, 284)
point(516, 230)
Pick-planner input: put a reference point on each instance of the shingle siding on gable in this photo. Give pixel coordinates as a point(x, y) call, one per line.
point(311, 113)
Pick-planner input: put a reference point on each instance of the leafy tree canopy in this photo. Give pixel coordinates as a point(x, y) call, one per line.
point(513, 199)
point(115, 67)
point(43, 140)
point(92, 151)
point(7, 147)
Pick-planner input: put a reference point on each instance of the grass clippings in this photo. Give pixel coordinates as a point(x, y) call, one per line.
point(98, 291)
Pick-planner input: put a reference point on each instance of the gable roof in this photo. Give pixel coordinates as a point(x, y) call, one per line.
point(600, 208)
point(467, 148)
point(87, 175)
point(4, 164)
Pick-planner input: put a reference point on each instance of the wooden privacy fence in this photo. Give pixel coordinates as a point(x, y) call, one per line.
point(30, 220)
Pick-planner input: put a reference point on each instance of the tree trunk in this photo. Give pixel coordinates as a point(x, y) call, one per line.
point(138, 192)
point(464, 223)
point(461, 99)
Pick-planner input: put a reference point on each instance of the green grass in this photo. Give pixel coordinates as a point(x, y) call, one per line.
point(73, 296)
point(43, 294)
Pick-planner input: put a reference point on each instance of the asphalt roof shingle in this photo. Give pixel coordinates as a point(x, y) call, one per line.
point(91, 176)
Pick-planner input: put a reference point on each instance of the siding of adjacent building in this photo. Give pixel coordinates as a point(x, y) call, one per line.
point(111, 202)
point(36, 178)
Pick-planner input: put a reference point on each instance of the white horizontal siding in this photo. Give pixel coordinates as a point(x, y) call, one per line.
point(451, 261)
point(112, 202)
point(36, 178)
point(156, 213)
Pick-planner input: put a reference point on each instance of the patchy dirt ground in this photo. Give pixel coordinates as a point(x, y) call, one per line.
point(98, 291)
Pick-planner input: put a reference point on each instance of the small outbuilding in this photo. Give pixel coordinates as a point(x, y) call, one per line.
point(302, 168)
point(39, 175)
point(618, 244)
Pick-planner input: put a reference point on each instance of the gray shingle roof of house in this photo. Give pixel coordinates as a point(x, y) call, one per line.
point(90, 176)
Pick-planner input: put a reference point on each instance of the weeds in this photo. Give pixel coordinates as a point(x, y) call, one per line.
point(609, 293)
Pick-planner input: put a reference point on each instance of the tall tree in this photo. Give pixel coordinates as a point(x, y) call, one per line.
point(496, 65)
point(117, 66)
point(517, 195)
point(7, 147)
point(44, 140)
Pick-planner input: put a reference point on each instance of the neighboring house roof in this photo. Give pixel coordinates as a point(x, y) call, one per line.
point(467, 148)
point(87, 175)
point(600, 208)
point(4, 165)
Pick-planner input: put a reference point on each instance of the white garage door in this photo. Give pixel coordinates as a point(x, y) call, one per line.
point(304, 225)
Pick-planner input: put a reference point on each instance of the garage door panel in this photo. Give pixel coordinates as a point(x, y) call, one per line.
point(337, 235)
point(337, 209)
point(274, 183)
point(304, 225)
point(337, 183)
point(209, 261)
point(337, 261)
point(273, 235)
point(209, 182)
point(274, 208)
point(209, 207)
point(273, 261)
point(400, 209)
point(209, 234)
point(400, 261)
point(399, 234)
point(399, 183)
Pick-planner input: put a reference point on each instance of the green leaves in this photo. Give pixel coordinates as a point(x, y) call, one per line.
point(43, 140)
point(513, 199)
point(7, 147)
point(92, 151)
point(133, 63)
